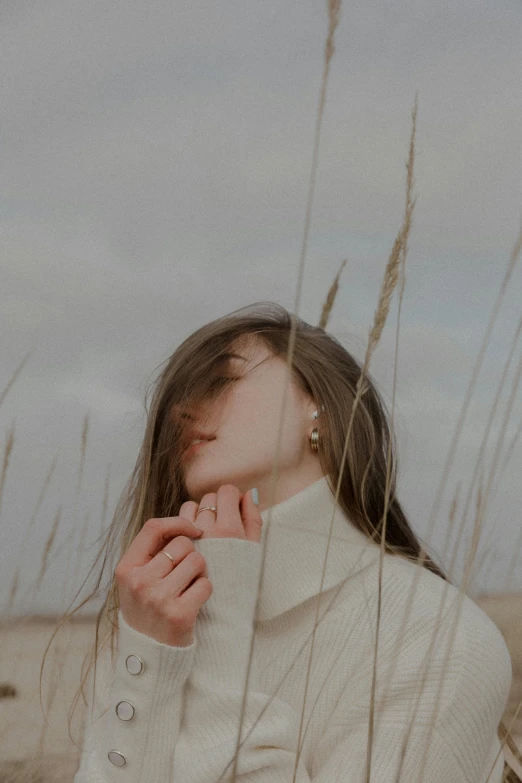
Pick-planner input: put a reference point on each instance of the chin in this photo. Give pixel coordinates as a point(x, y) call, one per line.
point(200, 485)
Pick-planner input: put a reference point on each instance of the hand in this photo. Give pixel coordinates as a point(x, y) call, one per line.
point(158, 598)
point(237, 515)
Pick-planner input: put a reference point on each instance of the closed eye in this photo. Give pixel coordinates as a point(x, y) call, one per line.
point(222, 379)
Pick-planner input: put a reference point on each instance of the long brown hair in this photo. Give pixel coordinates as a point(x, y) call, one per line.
point(198, 371)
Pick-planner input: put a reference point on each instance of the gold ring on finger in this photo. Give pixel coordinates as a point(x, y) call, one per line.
point(205, 508)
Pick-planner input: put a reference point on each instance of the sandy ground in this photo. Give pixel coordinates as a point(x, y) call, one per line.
point(24, 735)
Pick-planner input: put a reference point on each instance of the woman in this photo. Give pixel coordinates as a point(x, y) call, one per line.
point(183, 603)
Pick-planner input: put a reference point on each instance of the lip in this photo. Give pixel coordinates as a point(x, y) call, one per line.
point(196, 446)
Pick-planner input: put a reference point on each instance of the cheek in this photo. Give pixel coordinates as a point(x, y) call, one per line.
point(254, 412)
point(253, 407)
point(288, 431)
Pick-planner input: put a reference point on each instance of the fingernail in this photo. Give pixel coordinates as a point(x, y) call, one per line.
point(255, 496)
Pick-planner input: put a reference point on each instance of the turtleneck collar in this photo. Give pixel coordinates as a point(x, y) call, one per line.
point(296, 542)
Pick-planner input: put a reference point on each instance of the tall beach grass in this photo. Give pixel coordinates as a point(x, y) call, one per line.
point(482, 485)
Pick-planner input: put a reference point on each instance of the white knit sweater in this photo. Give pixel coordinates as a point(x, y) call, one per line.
point(443, 704)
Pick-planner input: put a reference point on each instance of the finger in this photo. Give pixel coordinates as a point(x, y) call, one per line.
point(205, 520)
point(183, 569)
point(189, 509)
point(178, 549)
point(252, 520)
point(228, 513)
point(153, 536)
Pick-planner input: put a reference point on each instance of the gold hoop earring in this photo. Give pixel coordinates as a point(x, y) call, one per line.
point(314, 440)
point(314, 437)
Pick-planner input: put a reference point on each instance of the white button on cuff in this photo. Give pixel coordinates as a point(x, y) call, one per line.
point(134, 664)
point(116, 758)
point(124, 710)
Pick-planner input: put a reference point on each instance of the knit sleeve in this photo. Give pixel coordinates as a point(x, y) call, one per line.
point(439, 699)
point(408, 746)
point(133, 721)
point(427, 731)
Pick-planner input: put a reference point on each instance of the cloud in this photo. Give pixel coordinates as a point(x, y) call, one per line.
point(156, 164)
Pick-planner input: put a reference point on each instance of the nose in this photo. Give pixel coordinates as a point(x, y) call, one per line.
point(181, 418)
point(187, 415)
point(180, 412)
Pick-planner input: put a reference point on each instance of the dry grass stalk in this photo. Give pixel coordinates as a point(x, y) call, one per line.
point(14, 588)
point(487, 551)
point(330, 298)
point(49, 544)
point(13, 377)
point(482, 448)
point(391, 277)
point(515, 253)
point(390, 280)
point(503, 735)
point(45, 486)
point(511, 265)
point(507, 415)
point(52, 555)
point(57, 669)
point(477, 529)
point(454, 505)
point(334, 9)
point(511, 448)
point(5, 462)
point(83, 450)
point(397, 256)
point(513, 259)
point(105, 501)
point(481, 508)
point(396, 263)
point(516, 554)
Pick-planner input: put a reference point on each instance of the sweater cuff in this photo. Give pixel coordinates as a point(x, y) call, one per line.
point(145, 701)
point(165, 667)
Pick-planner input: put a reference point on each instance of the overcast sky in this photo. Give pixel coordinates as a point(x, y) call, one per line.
point(155, 161)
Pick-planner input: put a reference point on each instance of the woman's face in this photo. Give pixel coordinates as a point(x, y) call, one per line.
point(246, 425)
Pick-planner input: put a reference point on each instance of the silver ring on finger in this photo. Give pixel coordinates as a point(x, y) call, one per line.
point(205, 508)
point(162, 552)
